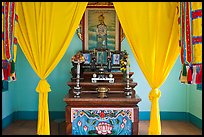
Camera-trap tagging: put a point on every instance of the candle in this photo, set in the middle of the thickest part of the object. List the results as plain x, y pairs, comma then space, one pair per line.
78, 68
127, 69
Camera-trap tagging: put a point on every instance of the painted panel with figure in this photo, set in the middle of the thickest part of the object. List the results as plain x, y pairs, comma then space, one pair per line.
101, 29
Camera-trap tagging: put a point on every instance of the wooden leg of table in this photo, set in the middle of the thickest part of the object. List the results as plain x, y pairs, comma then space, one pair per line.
135, 128
68, 120
135, 124
69, 129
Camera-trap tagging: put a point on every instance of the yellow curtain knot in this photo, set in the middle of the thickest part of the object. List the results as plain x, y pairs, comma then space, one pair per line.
43, 86
155, 93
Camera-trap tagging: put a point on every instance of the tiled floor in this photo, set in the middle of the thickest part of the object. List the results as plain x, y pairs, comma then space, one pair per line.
168, 128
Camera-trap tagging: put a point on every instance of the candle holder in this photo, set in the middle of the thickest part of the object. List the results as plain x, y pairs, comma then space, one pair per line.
128, 89
78, 59
77, 88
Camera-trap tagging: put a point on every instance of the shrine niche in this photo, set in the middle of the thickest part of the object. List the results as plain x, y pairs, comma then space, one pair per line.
102, 99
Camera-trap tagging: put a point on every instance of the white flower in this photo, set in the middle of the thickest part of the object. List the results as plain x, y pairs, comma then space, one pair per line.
124, 120
85, 128
104, 128
122, 125
79, 123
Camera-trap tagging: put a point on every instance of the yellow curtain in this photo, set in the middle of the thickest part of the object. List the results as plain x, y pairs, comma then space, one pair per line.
151, 29
44, 32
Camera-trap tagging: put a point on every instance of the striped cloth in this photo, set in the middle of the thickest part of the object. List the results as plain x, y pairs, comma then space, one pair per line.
190, 22
9, 47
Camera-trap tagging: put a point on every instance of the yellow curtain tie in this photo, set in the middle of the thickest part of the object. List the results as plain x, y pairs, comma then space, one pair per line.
155, 93
155, 125
43, 86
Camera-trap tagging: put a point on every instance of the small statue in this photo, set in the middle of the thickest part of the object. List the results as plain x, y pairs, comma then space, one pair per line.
101, 33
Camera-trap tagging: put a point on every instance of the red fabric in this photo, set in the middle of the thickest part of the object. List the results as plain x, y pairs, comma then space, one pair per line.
199, 77
5, 74
9, 69
197, 39
200, 74
188, 36
7, 49
189, 75
179, 20
15, 40
16, 17
6, 70
197, 13
182, 34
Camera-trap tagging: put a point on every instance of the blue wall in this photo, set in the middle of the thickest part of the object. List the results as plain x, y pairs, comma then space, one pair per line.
173, 98
7, 102
27, 81
171, 88
195, 101
194, 105
8, 105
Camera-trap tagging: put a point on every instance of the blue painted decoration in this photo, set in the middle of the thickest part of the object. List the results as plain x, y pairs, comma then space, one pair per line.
106, 121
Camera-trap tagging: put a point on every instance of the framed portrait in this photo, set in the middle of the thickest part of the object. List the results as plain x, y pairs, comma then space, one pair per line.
101, 28
101, 57
87, 57
115, 59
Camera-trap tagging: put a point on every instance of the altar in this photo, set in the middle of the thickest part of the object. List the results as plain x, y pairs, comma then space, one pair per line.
101, 102
102, 99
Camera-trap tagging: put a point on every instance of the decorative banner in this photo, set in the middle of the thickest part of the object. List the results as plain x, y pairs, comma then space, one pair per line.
190, 22
102, 121
9, 47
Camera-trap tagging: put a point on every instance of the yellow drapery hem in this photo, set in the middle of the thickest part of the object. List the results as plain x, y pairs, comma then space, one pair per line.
151, 29
44, 31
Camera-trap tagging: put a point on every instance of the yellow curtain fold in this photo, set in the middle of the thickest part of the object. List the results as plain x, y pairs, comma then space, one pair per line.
151, 29
44, 32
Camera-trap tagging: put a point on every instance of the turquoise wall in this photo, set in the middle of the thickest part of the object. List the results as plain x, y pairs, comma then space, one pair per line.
195, 101
8, 104
171, 88
8, 101
23, 97
27, 80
